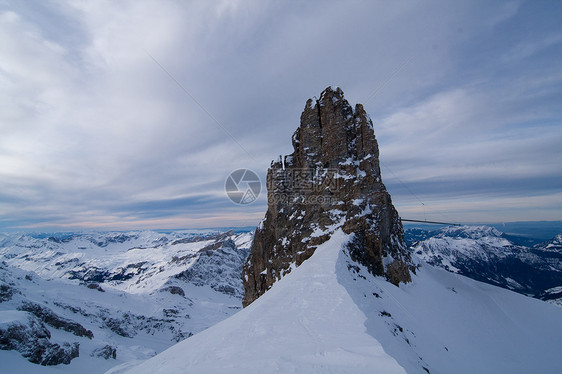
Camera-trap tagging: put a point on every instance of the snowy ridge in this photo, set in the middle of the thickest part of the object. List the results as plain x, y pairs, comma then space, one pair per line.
289, 329
554, 245
118, 296
330, 315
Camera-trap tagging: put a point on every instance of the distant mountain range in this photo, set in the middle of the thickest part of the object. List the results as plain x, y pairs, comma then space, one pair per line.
488, 255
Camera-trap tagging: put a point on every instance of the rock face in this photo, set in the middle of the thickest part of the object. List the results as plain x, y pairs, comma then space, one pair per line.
332, 180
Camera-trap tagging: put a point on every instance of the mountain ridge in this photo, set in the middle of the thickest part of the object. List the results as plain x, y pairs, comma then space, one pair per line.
331, 315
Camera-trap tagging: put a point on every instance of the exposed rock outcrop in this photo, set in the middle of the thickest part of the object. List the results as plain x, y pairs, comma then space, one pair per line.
49, 317
106, 352
332, 180
25, 333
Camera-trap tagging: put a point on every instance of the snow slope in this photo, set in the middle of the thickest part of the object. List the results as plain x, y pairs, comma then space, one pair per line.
331, 316
291, 328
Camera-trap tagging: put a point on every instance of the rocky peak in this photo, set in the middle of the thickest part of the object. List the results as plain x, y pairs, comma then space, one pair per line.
331, 132
331, 180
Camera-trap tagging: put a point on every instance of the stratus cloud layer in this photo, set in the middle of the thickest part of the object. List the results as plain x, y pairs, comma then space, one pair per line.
464, 95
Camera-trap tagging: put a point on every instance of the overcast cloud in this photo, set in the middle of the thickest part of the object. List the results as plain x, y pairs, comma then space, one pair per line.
465, 97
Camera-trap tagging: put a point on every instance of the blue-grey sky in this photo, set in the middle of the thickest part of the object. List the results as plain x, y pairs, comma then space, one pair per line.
465, 97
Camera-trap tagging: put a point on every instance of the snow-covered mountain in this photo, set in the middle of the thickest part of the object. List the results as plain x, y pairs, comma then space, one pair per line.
331, 315
485, 254
553, 245
94, 300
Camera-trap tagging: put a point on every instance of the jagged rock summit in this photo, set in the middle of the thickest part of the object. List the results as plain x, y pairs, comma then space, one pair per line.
331, 180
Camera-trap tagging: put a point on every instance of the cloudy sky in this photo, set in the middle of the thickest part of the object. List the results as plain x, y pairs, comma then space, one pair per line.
123, 115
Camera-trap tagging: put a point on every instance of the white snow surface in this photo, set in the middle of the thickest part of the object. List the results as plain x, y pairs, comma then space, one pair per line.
331, 316
9, 317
